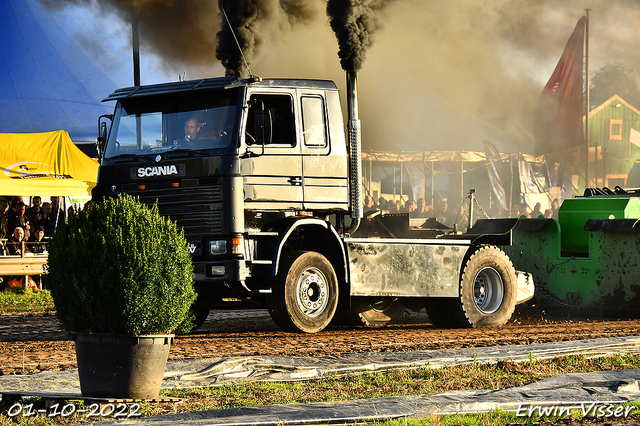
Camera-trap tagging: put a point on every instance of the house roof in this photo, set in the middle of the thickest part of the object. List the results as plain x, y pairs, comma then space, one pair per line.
614, 98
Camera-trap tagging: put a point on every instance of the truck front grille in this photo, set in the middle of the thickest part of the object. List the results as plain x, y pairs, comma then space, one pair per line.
197, 209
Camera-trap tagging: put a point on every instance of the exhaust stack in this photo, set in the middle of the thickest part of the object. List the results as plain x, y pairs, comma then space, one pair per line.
353, 129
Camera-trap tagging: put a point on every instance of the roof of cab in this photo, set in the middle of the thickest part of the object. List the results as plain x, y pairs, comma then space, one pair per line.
217, 83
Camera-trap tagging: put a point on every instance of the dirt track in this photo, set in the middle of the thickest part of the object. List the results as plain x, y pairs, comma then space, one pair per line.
30, 343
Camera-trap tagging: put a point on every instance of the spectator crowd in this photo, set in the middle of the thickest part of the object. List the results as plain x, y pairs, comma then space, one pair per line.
32, 225
447, 216
25, 230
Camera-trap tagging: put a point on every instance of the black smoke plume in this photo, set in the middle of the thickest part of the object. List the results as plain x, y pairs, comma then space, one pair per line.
245, 19
183, 32
194, 33
354, 22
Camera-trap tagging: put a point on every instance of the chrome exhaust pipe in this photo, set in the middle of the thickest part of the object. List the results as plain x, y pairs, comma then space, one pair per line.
355, 150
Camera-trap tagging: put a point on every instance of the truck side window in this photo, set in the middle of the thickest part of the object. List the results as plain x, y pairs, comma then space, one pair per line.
313, 122
280, 109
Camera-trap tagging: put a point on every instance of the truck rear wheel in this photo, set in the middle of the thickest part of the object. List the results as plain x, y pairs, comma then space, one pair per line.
304, 294
487, 290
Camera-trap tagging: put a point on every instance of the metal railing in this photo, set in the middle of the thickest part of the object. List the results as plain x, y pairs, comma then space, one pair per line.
25, 264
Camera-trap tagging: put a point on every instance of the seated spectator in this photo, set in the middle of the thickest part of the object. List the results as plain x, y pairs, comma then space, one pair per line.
462, 217
48, 227
4, 222
35, 213
442, 213
21, 220
36, 242
423, 209
369, 203
14, 243
412, 208
383, 204
555, 206
548, 214
13, 206
57, 215
537, 211
519, 211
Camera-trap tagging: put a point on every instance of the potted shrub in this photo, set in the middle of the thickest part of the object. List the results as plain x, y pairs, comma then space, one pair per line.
121, 279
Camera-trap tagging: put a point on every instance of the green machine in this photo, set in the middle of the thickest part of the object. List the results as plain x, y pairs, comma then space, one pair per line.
587, 261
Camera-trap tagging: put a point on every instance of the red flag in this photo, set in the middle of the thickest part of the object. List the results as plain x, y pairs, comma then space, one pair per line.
557, 123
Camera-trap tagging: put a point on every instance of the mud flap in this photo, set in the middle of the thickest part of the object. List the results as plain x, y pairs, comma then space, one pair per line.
525, 287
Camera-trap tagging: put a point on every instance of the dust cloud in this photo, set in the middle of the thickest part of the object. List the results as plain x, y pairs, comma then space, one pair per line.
437, 75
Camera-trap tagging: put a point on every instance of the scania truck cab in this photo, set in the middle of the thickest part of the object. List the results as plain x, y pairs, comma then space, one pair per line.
259, 176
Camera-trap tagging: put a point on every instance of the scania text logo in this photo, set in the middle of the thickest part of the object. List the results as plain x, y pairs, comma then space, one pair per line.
157, 171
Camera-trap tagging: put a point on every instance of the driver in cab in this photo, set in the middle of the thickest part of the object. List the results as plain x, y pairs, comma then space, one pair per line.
191, 129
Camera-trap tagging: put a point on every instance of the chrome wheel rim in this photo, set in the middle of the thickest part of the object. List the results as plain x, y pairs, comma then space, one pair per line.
312, 292
488, 290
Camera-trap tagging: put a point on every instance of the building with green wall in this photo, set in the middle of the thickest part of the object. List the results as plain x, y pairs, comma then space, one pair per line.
614, 142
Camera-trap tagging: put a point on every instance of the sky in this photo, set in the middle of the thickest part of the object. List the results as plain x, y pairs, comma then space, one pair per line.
437, 75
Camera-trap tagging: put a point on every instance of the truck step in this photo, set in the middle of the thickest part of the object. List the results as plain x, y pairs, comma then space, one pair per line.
263, 234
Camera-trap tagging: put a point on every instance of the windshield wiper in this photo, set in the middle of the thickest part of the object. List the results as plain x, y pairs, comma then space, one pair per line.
123, 157
179, 152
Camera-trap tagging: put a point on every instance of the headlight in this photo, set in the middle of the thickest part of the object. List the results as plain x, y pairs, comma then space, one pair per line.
218, 270
218, 247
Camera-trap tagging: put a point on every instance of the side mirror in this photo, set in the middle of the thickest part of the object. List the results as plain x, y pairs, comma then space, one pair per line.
262, 126
102, 134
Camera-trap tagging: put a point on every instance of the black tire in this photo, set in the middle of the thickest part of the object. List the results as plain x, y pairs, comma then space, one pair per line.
441, 311
200, 307
487, 290
200, 313
304, 294
376, 312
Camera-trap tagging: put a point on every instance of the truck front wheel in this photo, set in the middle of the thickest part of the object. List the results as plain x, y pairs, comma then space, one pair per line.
304, 294
487, 289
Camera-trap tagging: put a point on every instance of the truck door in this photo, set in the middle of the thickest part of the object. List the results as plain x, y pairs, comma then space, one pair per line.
272, 170
324, 159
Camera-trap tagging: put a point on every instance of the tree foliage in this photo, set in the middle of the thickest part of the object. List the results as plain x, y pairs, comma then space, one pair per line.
119, 267
614, 79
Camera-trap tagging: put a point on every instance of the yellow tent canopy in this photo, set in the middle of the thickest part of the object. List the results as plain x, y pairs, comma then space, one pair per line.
44, 164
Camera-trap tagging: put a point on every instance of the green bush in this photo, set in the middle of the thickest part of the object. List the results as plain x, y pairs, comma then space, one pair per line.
119, 267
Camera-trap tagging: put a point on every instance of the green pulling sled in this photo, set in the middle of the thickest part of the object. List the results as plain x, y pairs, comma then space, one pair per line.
588, 261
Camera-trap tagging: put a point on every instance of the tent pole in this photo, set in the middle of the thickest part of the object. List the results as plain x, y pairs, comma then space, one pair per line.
433, 175
511, 191
586, 106
135, 41
394, 183
401, 180
461, 180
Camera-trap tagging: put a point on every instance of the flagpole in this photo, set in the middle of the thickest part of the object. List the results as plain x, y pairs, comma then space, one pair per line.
586, 106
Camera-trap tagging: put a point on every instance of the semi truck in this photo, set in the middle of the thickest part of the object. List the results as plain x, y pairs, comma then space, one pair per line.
266, 182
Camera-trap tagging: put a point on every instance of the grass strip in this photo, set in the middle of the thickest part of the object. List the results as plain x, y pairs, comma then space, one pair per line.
21, 300
423, 380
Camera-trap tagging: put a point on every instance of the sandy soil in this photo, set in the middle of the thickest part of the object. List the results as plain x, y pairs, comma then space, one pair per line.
30, 343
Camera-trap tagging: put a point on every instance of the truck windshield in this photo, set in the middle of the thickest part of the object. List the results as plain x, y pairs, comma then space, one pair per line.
154, 125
